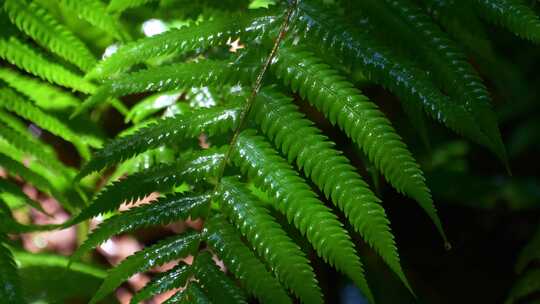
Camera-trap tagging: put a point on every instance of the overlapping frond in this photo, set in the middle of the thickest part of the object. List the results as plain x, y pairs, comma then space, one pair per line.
514, 15
361, 120
216, 285
173, 278
118, 6
10, 289
294, 198
41, 93
34, 19
165, 210
410, 29
242, 262
267, 237
174, 247
29, 59
95, 12
198, 36
212, 121
158, 79
11, 101
193, 294
332, 35
302, 142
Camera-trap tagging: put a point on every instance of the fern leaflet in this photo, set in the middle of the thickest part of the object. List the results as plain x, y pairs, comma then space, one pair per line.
268, 238
242, 262
174, 278
161, 212
38, 23
294, 198
219, 287
164, 251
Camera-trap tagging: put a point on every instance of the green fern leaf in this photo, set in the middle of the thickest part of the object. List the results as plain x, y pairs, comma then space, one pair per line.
95, 12
153, 104
119, 6
529, 253
446, 61
514, 15
41, 93
11, 101
14, 191
164, 251
193, 294
267, 237
242, 262
173, 77
528, 284
361, 120
164, 211
331, 35
219, 287
300, 140
38, 23
175, 41
10, 289
28, 59
17, 125
161, 178
46, 157
294, 198
212, 121
15, 168
174, 278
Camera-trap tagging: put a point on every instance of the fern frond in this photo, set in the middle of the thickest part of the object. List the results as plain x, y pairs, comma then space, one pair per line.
212, 121
173, 77
95, 12
16, 192
242, 262
152, 104
193, 294
333, 174
174, 278
118, 6
294, 198
331, 35
26, 58
46, 157
361, 120
267, 237
164, 251
446, 61
161, 178
527, 284
16, 125
33, 19
16, 168
42, 93
175, 41
161, 212
219, 287
10, 289
514, 15
11, 101
529, 253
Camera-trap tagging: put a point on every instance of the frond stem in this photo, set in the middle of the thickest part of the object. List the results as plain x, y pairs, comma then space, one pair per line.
255, 90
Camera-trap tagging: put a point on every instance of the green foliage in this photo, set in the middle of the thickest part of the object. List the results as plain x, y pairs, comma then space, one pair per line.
11, 286
270, 240
242, 262
172, 248
174, 278
219, 139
